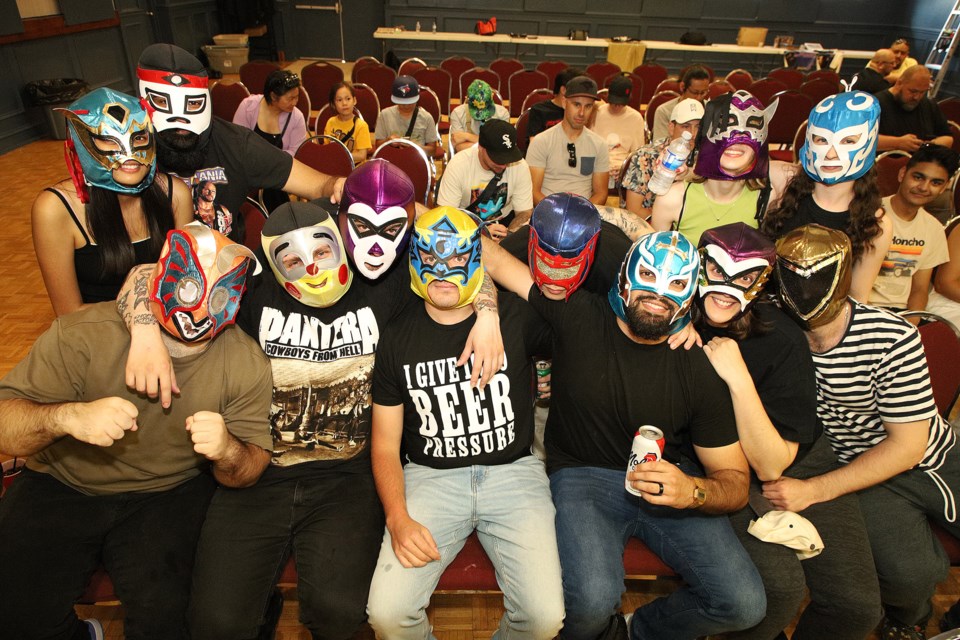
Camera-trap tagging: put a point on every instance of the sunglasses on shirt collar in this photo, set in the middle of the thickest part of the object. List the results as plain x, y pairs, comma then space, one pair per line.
571, 154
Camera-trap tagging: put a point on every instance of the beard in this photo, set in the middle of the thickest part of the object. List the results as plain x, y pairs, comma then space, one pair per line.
179, 154
644, 324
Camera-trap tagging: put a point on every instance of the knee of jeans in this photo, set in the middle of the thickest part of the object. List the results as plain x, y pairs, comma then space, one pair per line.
739, 608
329, 616
543, 619
587, 613
389, 617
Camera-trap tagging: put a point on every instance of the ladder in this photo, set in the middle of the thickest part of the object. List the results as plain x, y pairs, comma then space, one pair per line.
938, 60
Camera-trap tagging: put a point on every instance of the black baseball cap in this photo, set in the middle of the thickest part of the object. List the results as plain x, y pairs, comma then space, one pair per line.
499, 139
581, 86
620, 89
405, 90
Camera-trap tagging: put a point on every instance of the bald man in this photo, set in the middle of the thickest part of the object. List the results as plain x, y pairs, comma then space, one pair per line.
872, 77
908, 118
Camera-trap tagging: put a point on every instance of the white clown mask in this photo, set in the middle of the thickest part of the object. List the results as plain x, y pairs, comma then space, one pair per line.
176, 100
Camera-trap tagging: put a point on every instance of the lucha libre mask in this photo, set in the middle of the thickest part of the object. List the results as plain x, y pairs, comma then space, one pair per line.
730, 119
174, 84
375, 215
728, 253
304, 249
813, 267
108, 129
849, 124
445, 245
670, 257
564, 230
196, 286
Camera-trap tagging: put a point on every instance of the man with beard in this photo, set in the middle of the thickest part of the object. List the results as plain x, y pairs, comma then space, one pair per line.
908, 118
198, 147
636, 379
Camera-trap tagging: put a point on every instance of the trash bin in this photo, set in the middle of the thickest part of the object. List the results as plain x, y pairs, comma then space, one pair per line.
48, 95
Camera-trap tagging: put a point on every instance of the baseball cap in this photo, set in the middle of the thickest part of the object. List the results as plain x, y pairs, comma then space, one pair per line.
620, 89
686, 110
581, 86
405, 91
480, 100
499, 139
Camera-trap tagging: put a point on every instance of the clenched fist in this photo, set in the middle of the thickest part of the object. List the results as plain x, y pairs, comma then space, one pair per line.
209, 434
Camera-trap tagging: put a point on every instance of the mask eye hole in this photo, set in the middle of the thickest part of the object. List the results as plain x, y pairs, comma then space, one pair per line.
755, 122
188, 292
159, 101
218, 300
195, 104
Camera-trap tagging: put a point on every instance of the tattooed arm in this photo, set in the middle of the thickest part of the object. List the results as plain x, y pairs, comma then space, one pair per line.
630, 223
149, 369
484, 342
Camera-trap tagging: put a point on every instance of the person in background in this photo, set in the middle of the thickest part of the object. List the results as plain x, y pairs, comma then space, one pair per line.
478, 108
902, 62
273, 115
620, 125
693, 85
348, 126
872, 78
405, 119
919, 243
685, 117
908, 118
114, 211
838, 185
544, 115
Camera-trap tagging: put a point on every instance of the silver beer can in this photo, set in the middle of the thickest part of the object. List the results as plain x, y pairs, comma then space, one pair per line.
647, 447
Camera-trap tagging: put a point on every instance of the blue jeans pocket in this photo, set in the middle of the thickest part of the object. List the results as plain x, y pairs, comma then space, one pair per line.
586, 165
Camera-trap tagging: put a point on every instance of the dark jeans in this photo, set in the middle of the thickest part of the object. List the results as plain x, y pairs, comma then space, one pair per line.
844, 593
595, 518
332, 522
910, 560
53, 537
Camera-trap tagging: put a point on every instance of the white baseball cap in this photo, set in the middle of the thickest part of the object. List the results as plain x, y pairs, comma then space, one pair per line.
686, 110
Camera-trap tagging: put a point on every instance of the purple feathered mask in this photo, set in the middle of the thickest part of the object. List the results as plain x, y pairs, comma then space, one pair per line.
376, 212
731, 119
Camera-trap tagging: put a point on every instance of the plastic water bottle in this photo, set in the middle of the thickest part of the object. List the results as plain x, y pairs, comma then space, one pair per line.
670, 160
434, 26
418, 26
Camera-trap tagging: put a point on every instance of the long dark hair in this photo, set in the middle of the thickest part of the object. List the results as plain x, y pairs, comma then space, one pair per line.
863, 226
105, 222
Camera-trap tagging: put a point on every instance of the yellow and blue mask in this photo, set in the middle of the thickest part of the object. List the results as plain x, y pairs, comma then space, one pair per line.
445, 245
106, 130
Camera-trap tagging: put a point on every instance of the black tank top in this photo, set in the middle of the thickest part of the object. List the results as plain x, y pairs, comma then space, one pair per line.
276, 139
809, 212
94, 284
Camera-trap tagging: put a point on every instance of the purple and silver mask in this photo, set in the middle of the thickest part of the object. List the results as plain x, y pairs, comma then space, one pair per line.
376, 212
729, 119
730, 252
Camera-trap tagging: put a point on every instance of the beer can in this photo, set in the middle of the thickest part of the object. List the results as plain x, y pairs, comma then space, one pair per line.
543, 369
647, 447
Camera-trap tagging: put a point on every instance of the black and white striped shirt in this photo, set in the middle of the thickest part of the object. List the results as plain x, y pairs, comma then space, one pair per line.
878, 373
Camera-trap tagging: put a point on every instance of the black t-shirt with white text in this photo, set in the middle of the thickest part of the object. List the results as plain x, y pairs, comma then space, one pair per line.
446, 423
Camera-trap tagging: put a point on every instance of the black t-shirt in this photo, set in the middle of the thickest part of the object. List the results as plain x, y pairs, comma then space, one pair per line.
322, 362
926, 121
237, 161
605, 386
809, 212
446, 424
543, 115
612, 247
781, 366
870, 81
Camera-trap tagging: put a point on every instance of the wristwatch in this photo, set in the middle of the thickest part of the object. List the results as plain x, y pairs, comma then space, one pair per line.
699, 493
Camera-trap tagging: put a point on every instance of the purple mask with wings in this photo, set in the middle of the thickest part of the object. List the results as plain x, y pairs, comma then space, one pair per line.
729, 119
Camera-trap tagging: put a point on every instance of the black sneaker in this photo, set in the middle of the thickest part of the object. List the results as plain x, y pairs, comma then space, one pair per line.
951, 619
891, 630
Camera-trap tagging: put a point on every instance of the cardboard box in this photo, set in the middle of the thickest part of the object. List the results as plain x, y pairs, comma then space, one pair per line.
226, 59
751, 36
232, 39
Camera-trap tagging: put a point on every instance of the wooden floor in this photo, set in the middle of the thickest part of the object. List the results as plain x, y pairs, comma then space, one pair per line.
25, 312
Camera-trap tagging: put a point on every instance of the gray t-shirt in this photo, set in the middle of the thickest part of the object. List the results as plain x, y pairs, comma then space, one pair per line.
391, 123
549, 151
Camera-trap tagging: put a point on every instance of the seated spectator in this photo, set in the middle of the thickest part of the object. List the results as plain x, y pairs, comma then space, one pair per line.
569, 157
908, 118
693, 85
479, 107
273, 115
837, 187
544, 115
734, 179
919, 243
348, 127
876, 406
872, 78
619, 124
945, 295
764, 359
405, 119
685, 117
903, 61
490, 180
114, 477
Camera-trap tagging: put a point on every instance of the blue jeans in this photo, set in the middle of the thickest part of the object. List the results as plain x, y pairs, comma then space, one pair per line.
595, 518
510, 508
